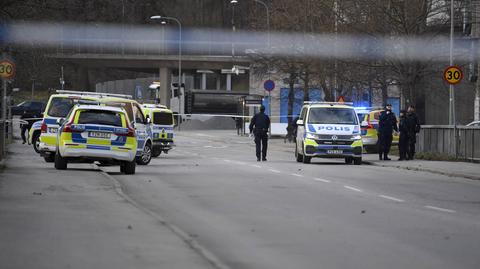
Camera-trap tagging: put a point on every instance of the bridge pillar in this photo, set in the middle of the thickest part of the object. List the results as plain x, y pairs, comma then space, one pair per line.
165, 86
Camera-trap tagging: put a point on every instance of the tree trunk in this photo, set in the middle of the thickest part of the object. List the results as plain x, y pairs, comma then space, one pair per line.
291, 97
306, 86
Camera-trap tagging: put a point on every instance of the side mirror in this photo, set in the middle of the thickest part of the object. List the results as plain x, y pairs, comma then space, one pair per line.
133, 125
364, 124
300, 123
148, 120
60, 121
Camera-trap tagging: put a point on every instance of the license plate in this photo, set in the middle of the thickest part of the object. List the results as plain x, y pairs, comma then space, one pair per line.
334, 151
52, 130
99, 135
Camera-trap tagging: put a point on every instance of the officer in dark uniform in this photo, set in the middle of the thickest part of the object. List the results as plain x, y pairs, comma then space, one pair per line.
413, 126
259, 126
403, 141
387, 122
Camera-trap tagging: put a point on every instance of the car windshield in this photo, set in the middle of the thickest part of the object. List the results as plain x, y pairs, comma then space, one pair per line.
59, 107
332, 115
162, 118
100, 117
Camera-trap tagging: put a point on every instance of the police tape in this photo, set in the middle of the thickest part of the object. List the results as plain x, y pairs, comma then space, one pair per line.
232, 116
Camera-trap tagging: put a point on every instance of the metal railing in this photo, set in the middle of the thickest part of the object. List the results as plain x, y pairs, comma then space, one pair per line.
461, 142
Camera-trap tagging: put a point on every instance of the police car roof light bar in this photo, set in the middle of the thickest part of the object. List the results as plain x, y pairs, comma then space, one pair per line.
96, 93
327, 103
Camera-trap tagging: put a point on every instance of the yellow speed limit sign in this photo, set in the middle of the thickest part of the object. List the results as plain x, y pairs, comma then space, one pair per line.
453, 74
7, 69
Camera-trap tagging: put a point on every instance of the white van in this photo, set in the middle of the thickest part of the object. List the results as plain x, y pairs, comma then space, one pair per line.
328, 130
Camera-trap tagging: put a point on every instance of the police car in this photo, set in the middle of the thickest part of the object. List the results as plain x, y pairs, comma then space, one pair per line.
162, 127
140, 123
96, 133
369, 118
58, 106
328, 130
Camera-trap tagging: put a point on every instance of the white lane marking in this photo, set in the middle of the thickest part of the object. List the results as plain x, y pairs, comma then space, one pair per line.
228, 161
256, 166
440, 209
274, 171
352, 188
322, 180
391, 198
296, 175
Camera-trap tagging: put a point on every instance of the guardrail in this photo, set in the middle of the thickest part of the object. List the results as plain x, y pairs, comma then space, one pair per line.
461, 142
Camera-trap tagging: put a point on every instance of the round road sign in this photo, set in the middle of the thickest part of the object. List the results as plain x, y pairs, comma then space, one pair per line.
269, 85
7, 69
453, 75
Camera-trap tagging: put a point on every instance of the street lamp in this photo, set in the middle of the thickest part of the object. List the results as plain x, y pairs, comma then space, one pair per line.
163, 21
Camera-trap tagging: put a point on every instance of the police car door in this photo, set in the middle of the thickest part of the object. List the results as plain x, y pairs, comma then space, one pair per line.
140, 128
301, 128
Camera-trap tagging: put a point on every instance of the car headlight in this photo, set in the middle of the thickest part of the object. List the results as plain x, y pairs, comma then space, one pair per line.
311, 135
356, 137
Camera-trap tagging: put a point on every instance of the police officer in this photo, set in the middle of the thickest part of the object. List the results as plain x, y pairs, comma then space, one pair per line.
387, 122
403, 141
413, 126
259, 126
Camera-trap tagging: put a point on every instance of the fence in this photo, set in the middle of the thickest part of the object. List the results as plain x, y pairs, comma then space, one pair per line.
441, 139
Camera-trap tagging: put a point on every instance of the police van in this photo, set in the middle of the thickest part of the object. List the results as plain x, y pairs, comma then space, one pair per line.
162, 120
328, 130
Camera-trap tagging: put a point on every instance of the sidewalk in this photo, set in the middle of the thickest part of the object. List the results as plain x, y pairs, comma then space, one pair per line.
453, 169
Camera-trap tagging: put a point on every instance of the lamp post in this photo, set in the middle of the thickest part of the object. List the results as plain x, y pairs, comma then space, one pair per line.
163, 18
268, 43
268, 17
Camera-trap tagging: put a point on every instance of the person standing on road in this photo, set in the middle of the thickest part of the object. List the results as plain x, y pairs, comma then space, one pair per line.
386, 124
403, 141
260, 125
413, 125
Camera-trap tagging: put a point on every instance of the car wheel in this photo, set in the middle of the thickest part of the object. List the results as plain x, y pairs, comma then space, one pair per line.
128, 167
306, 159
146, 156
298, 156
156, 152
60, 162
49, 157
36, 141
357, 161
348, 160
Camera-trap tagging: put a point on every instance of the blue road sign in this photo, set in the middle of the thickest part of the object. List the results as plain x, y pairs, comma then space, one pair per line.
269, 85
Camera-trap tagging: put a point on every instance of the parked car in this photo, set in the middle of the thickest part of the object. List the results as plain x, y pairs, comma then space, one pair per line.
35, 107
474, 124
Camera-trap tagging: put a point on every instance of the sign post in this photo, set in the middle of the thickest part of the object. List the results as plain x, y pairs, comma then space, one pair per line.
269, 86
453, 75
7, 71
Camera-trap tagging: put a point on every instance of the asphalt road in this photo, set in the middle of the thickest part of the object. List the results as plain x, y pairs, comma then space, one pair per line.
220, 207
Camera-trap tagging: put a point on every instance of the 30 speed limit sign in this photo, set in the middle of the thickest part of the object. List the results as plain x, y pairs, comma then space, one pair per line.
7, 69
453, 75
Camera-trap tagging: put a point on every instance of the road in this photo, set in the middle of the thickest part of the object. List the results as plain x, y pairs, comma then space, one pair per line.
219, 207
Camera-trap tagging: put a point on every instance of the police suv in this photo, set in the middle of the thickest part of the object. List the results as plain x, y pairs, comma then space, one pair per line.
328, 130
96, 133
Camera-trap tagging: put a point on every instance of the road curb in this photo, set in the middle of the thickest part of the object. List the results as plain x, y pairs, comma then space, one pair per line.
185, 237
424, 170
